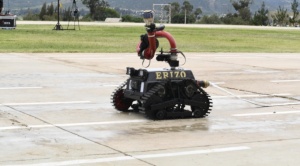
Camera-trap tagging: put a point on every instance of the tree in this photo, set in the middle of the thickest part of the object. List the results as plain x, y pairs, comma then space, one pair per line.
67, 14
197, 12
261, 16
294, 7
31, 15
241, 4
243, 9
50, 10
129, 18
185, 15
187, 7
93, 5
175, 8
233, 19
281, 17
213, 19
102, 13
179, 18
43, 11
180, 14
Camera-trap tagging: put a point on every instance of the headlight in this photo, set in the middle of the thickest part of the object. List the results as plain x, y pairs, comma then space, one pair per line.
143, 73
130, 70
136, 73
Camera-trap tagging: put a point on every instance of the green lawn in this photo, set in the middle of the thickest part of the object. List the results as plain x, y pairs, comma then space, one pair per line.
41, 38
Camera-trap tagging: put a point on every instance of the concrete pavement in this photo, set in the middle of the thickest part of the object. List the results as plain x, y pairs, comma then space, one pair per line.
55, 110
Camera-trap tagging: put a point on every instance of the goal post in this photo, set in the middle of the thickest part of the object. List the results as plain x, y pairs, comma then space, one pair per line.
162, 12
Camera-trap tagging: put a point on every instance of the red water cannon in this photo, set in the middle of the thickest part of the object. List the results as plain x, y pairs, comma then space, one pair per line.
147, 46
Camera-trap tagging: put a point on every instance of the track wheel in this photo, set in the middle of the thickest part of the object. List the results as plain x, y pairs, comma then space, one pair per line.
120, 102
153, 114
197, 113
160, 114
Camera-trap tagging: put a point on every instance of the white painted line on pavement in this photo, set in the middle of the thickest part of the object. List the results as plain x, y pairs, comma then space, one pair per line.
111, 85
110, 58
46, 103
248, 72
193, 152
285, 104
285, 81
281, 94
223, 57
87, 58
124, 158
268, 113
71, 124
15, 88
232, 72
217, 83
253, 102
244, 96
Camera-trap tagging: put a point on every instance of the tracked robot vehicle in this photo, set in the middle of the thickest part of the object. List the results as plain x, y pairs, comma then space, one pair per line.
161, 93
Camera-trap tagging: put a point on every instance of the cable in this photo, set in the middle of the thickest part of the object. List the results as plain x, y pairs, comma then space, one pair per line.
148, 63
183, 57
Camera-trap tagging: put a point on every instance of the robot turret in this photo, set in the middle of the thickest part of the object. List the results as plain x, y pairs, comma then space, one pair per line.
147, 47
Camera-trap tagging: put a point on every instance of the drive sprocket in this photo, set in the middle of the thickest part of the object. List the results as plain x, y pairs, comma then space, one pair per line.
119, 102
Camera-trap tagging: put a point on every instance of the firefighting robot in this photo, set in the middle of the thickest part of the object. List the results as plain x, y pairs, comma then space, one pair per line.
162, 93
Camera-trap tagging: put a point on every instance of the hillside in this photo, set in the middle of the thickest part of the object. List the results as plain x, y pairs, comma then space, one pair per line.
208, 6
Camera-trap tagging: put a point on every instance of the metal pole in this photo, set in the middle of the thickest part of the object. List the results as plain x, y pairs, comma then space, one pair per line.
58, 11
170, 15
58, 26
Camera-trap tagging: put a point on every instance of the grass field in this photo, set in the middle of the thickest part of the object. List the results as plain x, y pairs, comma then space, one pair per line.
41, 38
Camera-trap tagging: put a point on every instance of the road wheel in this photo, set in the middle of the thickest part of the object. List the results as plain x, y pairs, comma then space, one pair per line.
160, 114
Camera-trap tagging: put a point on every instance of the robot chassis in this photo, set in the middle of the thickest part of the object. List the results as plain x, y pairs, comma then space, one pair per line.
161, 93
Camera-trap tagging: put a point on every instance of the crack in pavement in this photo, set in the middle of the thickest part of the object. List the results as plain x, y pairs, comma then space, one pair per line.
78, 135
